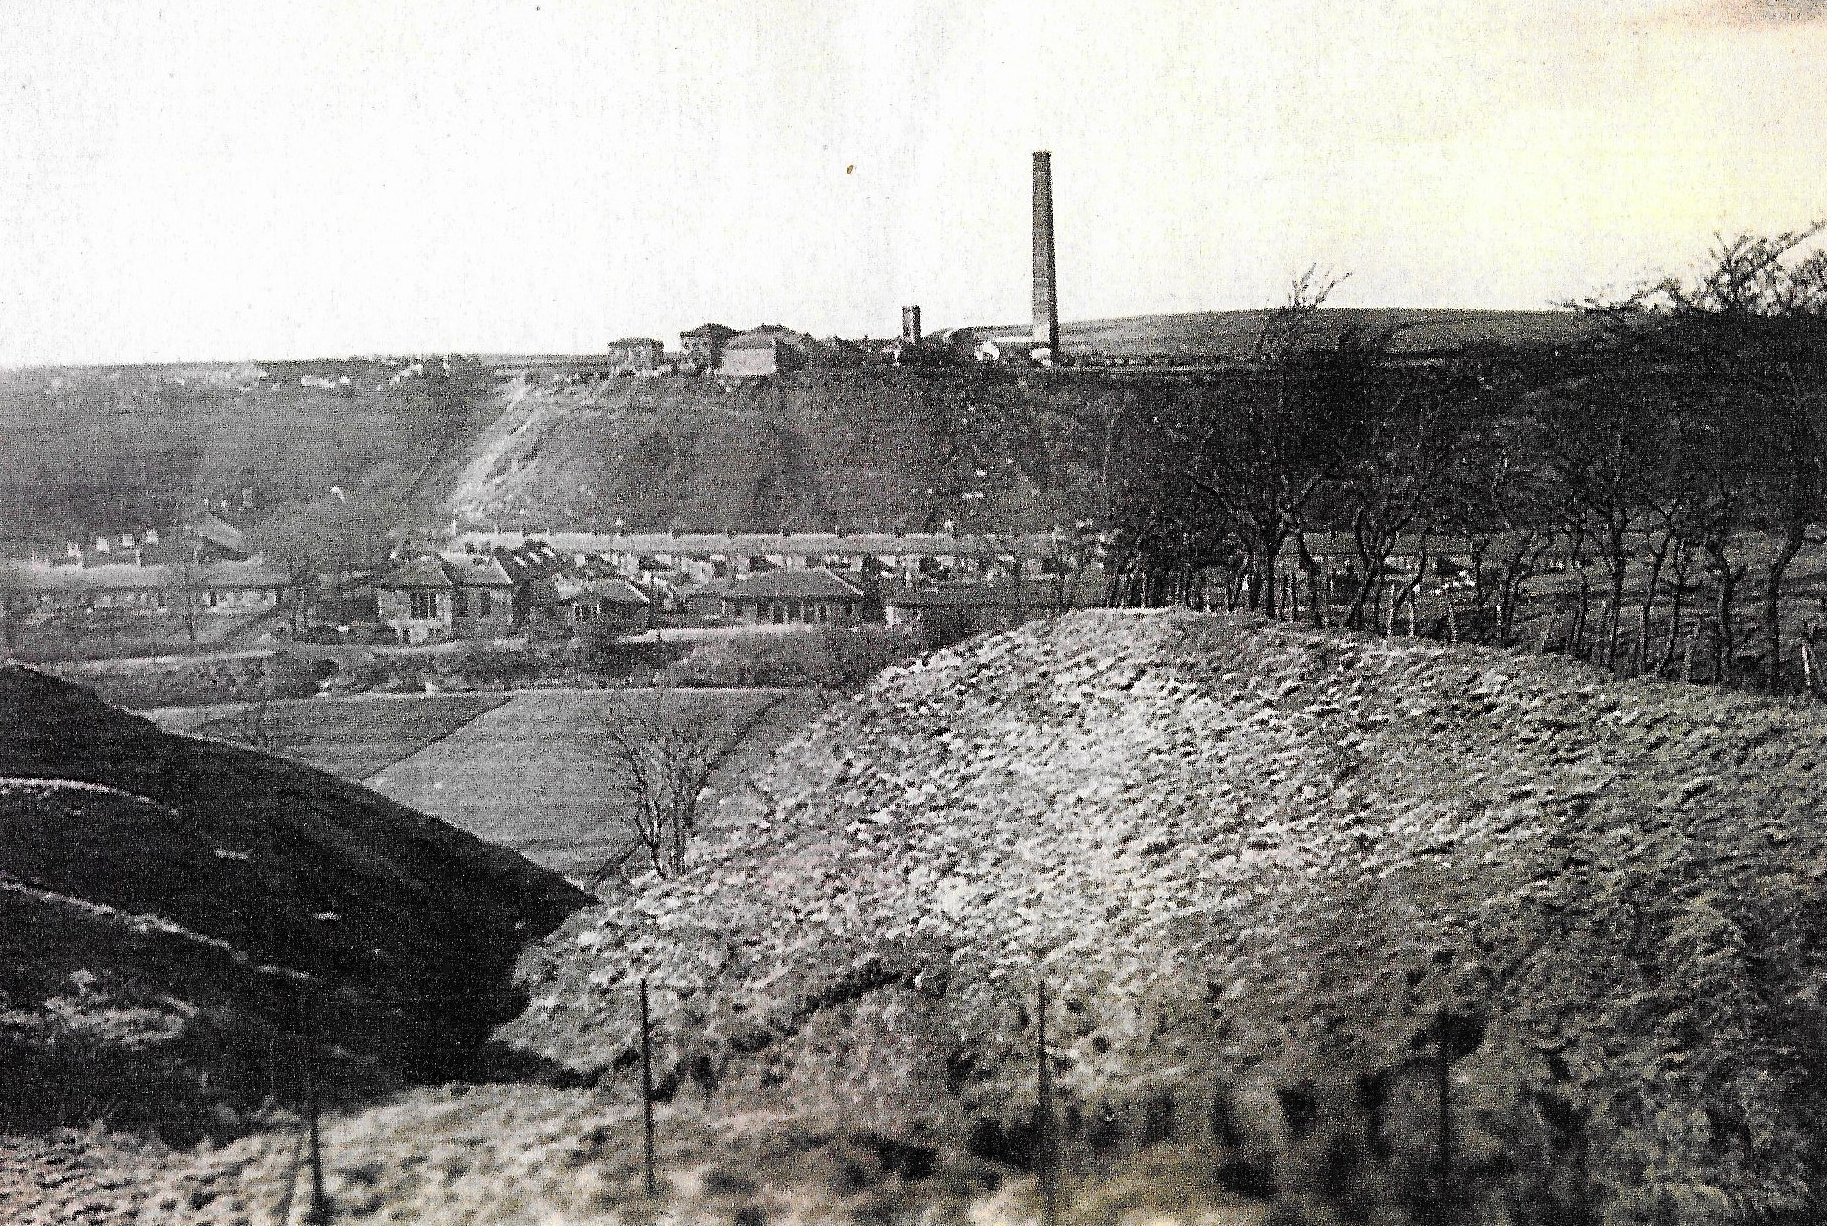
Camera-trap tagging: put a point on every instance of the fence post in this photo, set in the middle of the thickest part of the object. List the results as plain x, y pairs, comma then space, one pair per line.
1047, 1157
1443, 1151
647, 1089
319, 1210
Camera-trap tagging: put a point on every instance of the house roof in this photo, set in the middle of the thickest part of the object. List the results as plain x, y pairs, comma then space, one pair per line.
530, 560
417, 572
799, 544
810, 584
756, 340
253, 572
219, 533
466, 570
126, 577
605, 589
771, 336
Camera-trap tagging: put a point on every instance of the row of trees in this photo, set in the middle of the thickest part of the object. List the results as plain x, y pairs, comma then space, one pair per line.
1671, 453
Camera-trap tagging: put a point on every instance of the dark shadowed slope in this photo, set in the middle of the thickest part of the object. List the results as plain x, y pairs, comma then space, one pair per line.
177, 912
1260, 868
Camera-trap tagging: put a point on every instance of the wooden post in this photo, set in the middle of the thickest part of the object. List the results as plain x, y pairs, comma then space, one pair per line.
647, 1089
319, 1210
1443, 1154
1049, 1176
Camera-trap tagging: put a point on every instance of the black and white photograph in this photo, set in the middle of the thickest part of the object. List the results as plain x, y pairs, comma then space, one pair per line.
869, 613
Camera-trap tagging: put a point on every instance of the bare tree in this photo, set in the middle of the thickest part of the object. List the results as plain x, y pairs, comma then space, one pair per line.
1399, 484
1259, 444
668, 744
1735, 361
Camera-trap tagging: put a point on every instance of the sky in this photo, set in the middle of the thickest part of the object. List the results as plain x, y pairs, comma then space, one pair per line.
260, 179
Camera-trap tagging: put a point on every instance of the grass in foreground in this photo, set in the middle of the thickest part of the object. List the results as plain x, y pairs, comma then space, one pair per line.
517, 1155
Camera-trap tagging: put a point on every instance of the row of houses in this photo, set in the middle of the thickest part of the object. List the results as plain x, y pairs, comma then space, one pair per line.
703, 557
203, 538
199, 566
244, 586
489, 588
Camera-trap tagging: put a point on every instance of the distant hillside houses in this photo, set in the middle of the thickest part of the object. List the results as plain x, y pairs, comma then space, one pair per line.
202, 539
703, 345
768, 350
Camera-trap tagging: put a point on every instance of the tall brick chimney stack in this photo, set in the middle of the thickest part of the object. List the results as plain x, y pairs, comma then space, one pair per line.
1046, 293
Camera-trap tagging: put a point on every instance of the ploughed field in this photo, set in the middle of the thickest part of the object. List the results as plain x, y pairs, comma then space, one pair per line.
351, 737
539, 773
533, 770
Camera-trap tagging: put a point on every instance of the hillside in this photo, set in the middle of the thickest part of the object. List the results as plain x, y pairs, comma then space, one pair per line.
97, 450
1265, 872
100, 450
1219, 335
178, 913
813, 451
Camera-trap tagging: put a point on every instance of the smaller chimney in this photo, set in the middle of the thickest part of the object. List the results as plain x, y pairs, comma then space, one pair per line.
910, 324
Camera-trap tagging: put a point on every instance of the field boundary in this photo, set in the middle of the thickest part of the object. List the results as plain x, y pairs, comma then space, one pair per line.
506, 701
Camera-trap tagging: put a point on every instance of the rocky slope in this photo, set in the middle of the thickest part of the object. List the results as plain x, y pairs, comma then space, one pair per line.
176, 917
857, 449
1269, 876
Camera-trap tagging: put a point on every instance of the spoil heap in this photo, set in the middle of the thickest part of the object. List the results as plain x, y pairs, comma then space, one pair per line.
177, 915
1269, 874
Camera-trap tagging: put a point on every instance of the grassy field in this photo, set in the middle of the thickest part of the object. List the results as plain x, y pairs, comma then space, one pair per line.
536, 774
530, 770
352, 737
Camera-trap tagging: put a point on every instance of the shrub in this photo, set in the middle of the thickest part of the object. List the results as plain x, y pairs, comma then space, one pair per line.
830, 657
